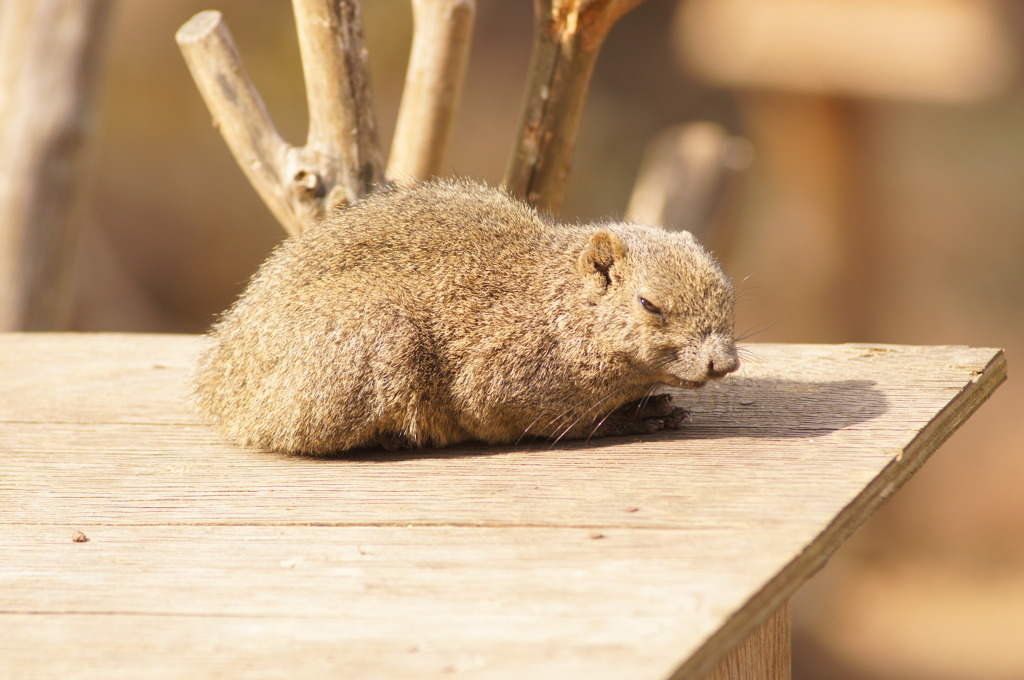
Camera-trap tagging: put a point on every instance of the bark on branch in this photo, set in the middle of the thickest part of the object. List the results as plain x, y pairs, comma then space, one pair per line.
342, 121
433, 88
341, 159
568, 35
238, 111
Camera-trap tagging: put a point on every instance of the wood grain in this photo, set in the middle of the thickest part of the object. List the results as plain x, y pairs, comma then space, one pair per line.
765, 654
643, 557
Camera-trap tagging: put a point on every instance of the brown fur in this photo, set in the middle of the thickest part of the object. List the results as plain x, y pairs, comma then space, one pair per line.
448, 311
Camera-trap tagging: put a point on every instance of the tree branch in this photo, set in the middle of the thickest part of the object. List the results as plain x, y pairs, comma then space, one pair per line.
341, 159
342, 142
568, 35
433, 88
238, 112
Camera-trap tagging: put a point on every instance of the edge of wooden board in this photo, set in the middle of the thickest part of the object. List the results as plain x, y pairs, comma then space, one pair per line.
975, 392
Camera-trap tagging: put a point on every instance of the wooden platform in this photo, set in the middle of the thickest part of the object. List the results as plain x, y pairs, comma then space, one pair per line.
642, 558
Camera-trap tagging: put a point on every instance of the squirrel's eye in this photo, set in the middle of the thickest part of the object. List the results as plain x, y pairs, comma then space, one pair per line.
649, 306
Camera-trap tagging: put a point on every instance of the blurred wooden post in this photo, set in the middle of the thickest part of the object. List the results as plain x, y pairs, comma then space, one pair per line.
50, 53
803, 76
812, 150
684, 177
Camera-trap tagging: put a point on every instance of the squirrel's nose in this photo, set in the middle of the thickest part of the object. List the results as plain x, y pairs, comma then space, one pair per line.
723, 360
719, 368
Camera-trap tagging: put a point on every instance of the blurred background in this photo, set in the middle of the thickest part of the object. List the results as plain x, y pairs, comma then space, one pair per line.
884, 202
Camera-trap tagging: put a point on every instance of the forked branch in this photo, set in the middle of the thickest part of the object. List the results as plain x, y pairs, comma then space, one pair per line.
238, 112
341, 160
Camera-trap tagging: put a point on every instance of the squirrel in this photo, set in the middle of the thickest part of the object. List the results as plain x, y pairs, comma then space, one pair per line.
448, 311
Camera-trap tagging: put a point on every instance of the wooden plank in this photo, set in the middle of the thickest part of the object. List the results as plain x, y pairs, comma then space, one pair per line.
765, 654
462, 593
633, 557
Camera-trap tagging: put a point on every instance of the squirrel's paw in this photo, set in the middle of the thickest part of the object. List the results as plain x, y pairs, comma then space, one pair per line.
644, 416
391, 441
677, 418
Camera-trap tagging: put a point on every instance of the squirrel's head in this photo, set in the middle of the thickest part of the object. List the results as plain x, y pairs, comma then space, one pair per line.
664, 301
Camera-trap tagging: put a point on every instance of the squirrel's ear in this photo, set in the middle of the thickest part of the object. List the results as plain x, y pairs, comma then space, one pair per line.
599, 257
